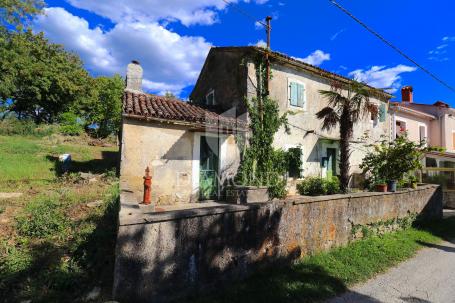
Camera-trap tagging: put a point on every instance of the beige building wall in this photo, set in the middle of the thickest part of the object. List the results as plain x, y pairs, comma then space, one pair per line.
167, 150
448, 122
172, 153
413, 124
306, 129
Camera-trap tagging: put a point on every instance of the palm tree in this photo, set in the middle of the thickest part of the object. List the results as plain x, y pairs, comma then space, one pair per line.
348, 104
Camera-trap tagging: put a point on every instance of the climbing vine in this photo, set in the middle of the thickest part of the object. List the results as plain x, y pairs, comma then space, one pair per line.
262, 165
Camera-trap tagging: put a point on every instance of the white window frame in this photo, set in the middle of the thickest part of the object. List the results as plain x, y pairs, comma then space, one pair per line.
426, 132
211, 92
304, 107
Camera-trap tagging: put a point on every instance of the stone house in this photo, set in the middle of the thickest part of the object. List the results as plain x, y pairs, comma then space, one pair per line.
189, 149
434, 123
229, 75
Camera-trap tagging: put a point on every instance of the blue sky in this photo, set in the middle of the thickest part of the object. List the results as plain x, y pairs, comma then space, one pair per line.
171, 38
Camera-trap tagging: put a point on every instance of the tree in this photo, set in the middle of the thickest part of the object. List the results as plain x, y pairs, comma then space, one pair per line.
39, 79
393, 160
16, 13
103, 108
347, 105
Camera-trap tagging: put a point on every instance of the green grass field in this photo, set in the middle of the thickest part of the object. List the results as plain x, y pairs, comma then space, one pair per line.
54, 247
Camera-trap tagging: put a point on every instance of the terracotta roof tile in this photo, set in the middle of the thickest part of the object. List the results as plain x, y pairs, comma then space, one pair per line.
145, 106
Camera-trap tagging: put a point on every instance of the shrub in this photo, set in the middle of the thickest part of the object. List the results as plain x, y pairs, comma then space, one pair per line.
316, 186
13, 126
41, 218
70, 124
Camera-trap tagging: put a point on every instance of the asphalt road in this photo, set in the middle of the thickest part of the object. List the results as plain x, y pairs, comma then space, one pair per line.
428, 277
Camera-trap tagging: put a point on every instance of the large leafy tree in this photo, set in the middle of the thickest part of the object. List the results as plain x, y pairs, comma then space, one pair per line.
39, 79
16, 13
347, 105
103, 108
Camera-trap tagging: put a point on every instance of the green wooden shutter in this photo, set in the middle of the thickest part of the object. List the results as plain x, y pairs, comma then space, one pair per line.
294, 94
382, 113
301, 95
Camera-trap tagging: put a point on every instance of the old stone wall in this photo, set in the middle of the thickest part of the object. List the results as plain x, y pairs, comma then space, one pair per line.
165, 256
167, 150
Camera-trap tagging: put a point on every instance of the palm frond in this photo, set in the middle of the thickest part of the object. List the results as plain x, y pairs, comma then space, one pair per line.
329, 116
334, 98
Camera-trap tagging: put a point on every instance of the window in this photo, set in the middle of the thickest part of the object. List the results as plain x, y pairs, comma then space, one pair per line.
210, 98
296, 94
400, 128
294, 162
422, 133
374, 116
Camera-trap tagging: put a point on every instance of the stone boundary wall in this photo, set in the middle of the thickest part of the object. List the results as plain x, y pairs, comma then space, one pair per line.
166, 256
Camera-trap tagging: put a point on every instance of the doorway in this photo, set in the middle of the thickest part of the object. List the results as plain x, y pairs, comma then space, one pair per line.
331, 162
208, 168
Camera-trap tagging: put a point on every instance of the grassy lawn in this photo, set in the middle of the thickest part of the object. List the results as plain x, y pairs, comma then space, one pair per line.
56, 246
327, 274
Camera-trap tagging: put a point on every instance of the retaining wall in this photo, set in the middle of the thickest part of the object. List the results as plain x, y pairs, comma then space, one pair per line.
165, 256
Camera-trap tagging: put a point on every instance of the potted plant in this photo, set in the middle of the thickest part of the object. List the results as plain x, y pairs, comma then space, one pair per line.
381, 186
412, 181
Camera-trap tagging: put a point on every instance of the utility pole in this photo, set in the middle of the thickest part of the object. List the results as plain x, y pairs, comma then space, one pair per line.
267, 61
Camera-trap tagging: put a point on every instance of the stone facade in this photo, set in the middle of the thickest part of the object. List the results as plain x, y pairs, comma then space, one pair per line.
231, 74
162, 257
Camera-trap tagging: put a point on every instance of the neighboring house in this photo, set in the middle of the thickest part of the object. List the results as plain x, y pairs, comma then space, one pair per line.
229, 76
434, 123
189, 150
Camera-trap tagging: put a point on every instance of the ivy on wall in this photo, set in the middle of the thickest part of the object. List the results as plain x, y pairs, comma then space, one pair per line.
262, 165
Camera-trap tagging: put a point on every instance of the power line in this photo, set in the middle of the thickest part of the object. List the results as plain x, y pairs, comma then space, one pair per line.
392, 46
245, 13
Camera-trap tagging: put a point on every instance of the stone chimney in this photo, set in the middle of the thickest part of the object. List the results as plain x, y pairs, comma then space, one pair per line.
134, 76
406, 94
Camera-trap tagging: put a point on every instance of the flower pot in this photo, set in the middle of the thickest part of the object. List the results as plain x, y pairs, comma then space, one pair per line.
414, 185
247, 194
381, 188
392, 186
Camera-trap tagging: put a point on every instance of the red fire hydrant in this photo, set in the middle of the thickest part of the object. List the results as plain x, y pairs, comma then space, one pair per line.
147, 187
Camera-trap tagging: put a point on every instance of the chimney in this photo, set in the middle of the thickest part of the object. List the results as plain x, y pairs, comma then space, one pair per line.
134, 76
406, 94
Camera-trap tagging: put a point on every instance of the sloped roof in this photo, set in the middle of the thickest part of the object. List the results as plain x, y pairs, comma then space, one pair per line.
142, 106
296, 63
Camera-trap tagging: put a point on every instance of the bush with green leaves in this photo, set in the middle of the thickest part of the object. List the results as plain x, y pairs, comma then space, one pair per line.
316, 186
70, 124
395, 159
26, 127
41, 218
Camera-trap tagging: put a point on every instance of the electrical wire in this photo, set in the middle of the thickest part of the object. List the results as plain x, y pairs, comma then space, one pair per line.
392, 46
245, 13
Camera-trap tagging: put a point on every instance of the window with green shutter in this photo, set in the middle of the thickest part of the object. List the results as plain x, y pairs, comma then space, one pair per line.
296, 94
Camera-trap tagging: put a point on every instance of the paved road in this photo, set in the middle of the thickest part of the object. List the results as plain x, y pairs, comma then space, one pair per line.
428, 277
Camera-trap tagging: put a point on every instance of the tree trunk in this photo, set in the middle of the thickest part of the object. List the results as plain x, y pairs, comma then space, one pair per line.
346, 129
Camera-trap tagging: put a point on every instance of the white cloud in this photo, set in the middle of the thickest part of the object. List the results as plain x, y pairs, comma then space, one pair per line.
188, 12
439, 53
382, 77
334, 36
170, 61
315, 58
260, 43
